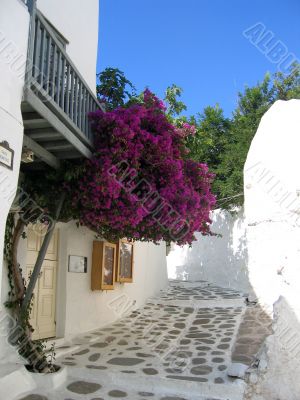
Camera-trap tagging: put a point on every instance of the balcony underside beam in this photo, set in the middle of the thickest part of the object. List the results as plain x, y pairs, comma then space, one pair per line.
41, 153
43, 134
59, 145
58, 125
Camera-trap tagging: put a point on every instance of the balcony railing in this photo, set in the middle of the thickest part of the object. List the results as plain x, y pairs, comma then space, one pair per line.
30, 4
54, 78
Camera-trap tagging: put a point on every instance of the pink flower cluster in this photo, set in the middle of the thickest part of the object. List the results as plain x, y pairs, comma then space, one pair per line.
186, 130
158, 195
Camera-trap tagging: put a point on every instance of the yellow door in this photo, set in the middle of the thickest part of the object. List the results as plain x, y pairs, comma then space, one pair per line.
44, 298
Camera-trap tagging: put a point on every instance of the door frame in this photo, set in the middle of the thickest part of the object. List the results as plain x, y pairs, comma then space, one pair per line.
51, 257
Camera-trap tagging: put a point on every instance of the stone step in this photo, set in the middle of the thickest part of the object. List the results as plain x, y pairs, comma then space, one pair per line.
184, 389
196, 304
15, 380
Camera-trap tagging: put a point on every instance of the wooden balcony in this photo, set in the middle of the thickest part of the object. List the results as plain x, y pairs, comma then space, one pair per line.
56, 100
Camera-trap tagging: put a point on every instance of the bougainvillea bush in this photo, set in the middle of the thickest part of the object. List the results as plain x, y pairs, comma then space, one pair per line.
140, 183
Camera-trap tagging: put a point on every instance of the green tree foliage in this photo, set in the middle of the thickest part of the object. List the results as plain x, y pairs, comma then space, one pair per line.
174, 105
114, 88
211, 137
252, 104
287, 87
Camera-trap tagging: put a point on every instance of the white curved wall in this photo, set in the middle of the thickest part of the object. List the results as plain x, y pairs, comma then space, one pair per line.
13, 50
272, 203
272, 210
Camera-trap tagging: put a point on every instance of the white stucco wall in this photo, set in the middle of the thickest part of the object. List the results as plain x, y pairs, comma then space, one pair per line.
77, 21
79, 309
218, 259
272, 203
13, 50
272, 210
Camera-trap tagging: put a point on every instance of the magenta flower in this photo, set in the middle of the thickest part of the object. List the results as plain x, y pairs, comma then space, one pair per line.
139, 183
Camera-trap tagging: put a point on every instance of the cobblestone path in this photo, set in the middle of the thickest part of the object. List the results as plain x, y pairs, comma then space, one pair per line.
177, 347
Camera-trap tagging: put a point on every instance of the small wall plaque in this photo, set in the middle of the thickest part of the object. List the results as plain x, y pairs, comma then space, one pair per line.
77, 264
6, 155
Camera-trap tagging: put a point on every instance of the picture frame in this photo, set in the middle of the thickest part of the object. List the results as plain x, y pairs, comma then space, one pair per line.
103, 265
6, 155
77, 264
125, 264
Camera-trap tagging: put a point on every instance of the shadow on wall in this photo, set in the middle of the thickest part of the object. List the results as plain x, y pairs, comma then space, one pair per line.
218, 259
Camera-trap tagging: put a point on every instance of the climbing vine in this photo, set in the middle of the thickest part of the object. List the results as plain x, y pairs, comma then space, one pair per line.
9, 229
20, 335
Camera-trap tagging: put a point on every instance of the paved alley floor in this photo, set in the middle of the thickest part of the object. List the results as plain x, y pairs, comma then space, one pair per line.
178, 346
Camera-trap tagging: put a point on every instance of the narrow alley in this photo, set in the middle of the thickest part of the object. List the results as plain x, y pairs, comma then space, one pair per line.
179, 346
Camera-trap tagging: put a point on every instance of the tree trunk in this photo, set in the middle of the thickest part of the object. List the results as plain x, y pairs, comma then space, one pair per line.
21, 334
16, 271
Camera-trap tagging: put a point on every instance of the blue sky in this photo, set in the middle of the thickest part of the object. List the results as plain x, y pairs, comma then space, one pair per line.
197, 44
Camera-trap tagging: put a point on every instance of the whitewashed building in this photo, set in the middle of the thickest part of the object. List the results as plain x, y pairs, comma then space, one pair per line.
48, 53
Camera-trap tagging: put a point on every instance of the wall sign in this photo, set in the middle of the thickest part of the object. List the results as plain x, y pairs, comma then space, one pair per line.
6, 155
77, 264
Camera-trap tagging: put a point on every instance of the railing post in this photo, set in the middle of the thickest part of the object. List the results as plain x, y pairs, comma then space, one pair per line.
31, 5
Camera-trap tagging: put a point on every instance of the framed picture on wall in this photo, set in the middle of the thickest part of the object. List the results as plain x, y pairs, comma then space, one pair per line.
124, 272
104, 265
77, 264
6, 155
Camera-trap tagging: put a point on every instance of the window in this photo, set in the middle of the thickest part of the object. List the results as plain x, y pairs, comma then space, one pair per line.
104, 265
